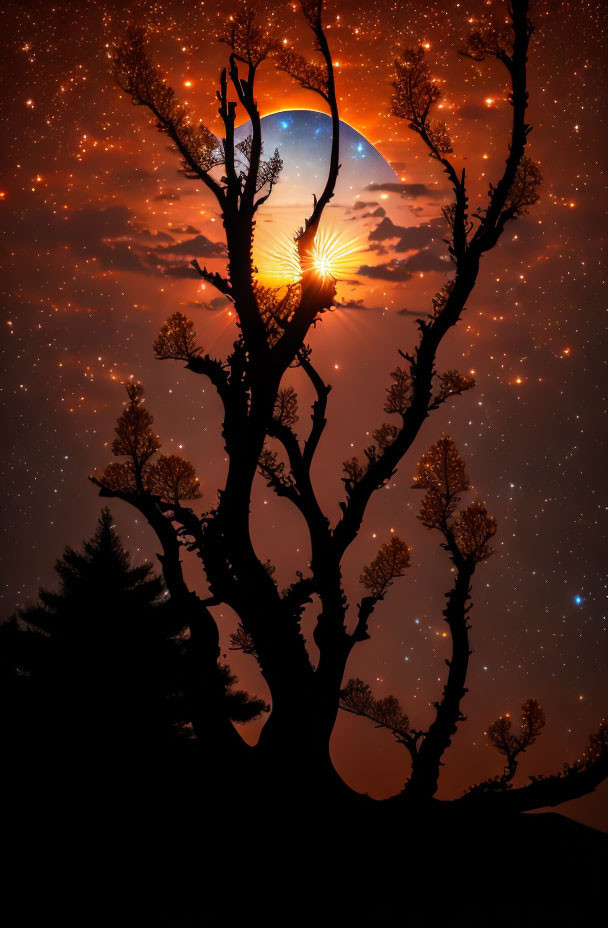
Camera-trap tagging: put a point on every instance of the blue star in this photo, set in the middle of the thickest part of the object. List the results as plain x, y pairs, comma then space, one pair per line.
578, 599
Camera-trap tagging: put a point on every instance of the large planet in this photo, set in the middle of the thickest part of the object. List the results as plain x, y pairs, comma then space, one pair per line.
378, 236
303, 140
365, 180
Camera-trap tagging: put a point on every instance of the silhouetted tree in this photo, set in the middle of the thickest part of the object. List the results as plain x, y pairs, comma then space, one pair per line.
98, 670
85, 650
575, 780
260, 415
500, 736
466, 536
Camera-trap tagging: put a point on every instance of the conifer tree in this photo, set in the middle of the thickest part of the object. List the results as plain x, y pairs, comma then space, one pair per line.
101, 665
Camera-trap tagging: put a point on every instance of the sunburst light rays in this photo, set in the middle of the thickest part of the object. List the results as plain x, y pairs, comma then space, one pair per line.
335, 255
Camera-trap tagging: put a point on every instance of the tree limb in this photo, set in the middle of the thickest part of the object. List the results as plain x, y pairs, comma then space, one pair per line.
212, 277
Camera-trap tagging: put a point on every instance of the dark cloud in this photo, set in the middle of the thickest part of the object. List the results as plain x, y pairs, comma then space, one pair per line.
377, 213
185, 230
89, 232
407, 190
400, 270
393, 270
409, 238
177, 270
365, 204
350, 304
79, 229
218, 302
429, 260
119, 256
110, 236
153, 238
386, 229
198, 247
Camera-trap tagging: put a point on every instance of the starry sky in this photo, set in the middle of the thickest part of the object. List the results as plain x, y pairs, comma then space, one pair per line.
99, 229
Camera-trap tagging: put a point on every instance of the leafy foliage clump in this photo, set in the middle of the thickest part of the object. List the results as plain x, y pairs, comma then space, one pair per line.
286, 407
391, 562
398, 394
137, 76
442, 473
250, 43
170, 477
177, 339
357, 697
525, 189
415, 94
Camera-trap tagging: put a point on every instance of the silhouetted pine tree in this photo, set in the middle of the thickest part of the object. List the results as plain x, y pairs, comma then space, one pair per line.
100, 669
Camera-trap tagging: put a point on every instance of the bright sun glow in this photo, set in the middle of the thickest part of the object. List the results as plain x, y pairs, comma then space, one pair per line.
334, 256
